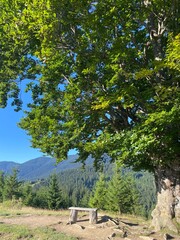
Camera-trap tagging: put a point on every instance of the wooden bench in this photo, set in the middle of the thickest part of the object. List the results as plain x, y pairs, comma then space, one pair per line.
74, 214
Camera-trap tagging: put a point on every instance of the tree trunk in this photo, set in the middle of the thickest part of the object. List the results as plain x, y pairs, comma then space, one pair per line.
167, 211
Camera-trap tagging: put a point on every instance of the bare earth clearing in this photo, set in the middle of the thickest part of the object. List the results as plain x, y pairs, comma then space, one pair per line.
106, 228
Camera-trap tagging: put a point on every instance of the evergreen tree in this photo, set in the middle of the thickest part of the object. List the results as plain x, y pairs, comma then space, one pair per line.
1, 185
11, 186
98, 199
27, 194
120, 194
40, 198
54, 193
75, 196
145, 184
84, 202
67, 200
134, 206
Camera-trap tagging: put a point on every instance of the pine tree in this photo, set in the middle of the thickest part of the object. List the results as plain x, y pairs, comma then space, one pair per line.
98, 199
40, 198
11, 186
84, 202
27, 194
1, 185
54, 193
147, 191
134, 206
75, 196
121, 195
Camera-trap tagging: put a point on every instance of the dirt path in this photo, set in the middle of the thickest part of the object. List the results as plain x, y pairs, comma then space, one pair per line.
105, 229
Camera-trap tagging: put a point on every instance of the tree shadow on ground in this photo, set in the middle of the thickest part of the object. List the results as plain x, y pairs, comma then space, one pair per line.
130, 224
106, 218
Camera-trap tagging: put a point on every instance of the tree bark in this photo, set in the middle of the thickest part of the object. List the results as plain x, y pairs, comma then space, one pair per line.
167, 211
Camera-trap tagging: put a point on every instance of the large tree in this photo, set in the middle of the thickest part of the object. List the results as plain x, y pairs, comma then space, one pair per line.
104, 77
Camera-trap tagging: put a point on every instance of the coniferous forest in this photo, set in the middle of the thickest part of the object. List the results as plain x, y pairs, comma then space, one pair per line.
115, 190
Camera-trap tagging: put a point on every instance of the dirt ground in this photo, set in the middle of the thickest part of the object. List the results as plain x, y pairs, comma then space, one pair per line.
106, 228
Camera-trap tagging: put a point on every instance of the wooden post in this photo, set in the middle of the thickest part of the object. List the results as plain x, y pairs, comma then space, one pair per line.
93, 216
73, 216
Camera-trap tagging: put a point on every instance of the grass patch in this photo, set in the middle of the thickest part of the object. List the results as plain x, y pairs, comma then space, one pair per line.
4, 214
12, 209
16, 232
20, 232
128, 217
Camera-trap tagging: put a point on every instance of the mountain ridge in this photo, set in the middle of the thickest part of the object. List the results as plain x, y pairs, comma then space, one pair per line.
41, 167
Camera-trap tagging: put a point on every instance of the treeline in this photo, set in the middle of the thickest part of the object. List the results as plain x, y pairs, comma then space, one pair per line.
117, 190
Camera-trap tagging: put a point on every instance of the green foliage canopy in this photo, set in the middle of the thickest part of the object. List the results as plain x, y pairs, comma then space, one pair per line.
103, 77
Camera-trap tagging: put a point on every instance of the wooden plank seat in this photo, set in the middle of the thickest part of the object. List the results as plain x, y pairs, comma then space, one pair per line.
74, 214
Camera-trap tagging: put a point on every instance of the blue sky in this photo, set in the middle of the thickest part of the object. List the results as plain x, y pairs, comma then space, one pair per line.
15, 144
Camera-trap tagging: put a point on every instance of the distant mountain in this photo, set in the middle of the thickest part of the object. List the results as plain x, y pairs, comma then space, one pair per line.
6, 167
41, 167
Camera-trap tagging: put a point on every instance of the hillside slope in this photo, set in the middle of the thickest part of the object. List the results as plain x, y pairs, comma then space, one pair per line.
7, 167
41, 167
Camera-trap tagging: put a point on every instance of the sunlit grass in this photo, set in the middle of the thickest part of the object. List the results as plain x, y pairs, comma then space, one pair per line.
15, 232
128, 217
10, 208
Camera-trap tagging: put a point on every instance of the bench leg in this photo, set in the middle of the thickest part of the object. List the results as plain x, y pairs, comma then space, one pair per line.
73, 216
93, 217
